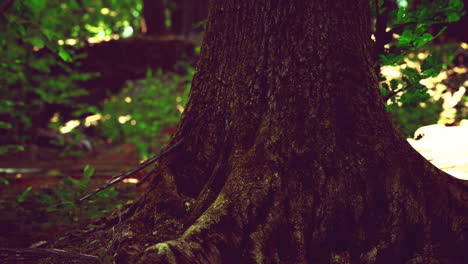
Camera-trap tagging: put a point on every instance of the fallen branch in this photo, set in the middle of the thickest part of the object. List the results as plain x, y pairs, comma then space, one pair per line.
117, 178
145, 177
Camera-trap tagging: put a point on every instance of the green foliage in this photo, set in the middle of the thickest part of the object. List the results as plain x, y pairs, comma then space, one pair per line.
64, 203
36, 72
4, 181
26, 86
59, 205
10, 149
24, 195
412, 29
409, 117
144, 108
88, 171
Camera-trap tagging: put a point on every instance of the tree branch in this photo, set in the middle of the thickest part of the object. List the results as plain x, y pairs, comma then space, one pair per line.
117, 178
400, 26
390, 95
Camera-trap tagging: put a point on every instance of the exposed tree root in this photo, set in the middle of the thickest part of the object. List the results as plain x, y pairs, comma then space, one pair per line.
255, 208
350, 214
260, 218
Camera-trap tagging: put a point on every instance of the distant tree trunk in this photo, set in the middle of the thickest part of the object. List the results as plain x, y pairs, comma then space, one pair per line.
177, 17
187, 14
154, 18
290, 154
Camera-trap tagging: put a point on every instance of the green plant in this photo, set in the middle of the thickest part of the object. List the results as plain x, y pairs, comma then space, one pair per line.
145, 108
30, 53
401, 36
24, 195
409, 117
3, 180
63, 203
37, 210
37, 57
10, 148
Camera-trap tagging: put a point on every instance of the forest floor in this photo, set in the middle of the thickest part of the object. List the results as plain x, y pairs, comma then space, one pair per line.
24, 222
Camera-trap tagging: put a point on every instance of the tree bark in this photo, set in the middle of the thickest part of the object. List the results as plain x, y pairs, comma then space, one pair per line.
291, 155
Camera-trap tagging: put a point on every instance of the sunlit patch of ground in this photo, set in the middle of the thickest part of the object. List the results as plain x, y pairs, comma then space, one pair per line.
445, 146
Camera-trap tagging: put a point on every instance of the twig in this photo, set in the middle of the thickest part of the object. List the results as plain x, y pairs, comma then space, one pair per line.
398, 27
120, 177
145, 177
35, 253
390, 95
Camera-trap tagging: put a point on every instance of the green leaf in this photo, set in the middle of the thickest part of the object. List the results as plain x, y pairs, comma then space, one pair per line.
5, 125
45, 96
453, 17
440, 32
412, 75
394, 84
420, 41
380, 3
49, 34
73, 4
92, 28
149, 73
10, 149
431, 66
402, 12
384, 92
406, 38
88, 172
64, 55
24, 195
4, 181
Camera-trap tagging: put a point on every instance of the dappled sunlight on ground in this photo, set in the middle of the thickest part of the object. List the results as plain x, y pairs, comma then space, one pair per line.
444, 146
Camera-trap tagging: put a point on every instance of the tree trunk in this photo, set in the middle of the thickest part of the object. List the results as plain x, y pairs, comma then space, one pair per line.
153, 16
291, 155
